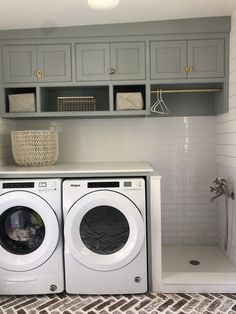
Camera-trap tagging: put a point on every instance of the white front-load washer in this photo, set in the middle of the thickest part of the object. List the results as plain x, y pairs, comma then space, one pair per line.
105, 235
31, 250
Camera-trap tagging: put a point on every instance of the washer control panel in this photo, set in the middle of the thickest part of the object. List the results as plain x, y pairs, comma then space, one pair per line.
18, 185
37, 186
47, 186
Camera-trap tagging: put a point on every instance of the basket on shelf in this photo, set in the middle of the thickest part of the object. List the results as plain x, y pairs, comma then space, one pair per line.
22, 102
129, 101
34, 147
76, 103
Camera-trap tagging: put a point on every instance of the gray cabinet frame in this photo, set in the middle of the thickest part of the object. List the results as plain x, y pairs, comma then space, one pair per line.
200, 58
21, 62
146, 32
110, 61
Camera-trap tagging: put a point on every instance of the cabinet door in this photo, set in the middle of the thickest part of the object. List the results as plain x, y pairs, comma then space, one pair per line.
19, 64
206, 58
54, 62
168, 59
92, 62
128, 61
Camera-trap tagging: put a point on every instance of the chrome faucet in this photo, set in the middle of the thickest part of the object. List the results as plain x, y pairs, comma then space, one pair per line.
220, 187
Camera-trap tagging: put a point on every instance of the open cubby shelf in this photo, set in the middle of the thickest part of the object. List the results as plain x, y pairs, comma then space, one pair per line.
189, 99
129, 89
181, 100
49, 96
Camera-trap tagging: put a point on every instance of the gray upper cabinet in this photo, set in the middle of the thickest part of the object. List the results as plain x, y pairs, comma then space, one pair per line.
19, 64
54, 62
206, 58
128, 61
115, 61
36, 63
168, 59
92, 62
187, 59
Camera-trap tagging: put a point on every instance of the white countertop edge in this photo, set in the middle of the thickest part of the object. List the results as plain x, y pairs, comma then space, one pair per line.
80, 168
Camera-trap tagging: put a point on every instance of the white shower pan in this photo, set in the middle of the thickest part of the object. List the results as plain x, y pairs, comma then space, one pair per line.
215, 272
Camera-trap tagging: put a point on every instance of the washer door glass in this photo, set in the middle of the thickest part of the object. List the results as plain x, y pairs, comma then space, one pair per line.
22, 230
104, 230
29, 231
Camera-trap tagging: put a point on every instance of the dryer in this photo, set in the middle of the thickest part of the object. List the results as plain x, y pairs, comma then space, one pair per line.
30, 237
105, 236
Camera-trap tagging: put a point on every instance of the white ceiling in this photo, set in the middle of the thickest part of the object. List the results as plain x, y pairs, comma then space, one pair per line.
19, 14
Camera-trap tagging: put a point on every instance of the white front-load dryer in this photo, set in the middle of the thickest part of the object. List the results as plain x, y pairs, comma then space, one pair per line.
30, 237
105, 236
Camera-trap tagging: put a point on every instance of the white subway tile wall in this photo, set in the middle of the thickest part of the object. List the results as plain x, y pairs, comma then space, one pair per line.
6, 126
226, 152
182, 150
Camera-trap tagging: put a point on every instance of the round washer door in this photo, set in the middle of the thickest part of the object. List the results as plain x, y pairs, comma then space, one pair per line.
29, 231
104, 230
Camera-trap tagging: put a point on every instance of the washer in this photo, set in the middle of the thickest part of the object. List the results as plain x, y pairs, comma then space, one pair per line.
105, 236
30, 237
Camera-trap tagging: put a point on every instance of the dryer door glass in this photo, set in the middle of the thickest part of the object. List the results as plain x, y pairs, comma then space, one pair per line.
104, 230
22, 230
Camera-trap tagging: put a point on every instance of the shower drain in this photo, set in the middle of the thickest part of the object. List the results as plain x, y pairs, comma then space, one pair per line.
194, 262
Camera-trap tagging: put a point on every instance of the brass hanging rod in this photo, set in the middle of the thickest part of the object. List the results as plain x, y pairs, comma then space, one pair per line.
200, 90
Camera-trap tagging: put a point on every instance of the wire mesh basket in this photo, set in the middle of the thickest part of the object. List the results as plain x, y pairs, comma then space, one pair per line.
76, 103
34, 147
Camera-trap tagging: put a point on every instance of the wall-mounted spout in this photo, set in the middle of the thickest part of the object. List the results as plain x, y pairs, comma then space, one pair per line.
220, 187
214, 197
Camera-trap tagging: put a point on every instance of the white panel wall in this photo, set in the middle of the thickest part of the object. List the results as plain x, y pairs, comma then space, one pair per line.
226, 151
226, 123
5, 143
182, 150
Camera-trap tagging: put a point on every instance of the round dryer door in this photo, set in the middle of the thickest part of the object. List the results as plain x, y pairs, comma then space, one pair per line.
104, 230
29, 231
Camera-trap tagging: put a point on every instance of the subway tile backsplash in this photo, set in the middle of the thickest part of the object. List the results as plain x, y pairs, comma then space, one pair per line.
182, 150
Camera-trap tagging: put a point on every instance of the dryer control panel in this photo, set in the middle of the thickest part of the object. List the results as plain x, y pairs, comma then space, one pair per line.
123, 184
133, 185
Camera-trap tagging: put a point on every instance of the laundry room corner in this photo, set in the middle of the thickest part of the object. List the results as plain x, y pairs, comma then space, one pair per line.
118, 157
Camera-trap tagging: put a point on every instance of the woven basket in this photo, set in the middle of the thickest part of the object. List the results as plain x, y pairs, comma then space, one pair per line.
34, 147
129, 101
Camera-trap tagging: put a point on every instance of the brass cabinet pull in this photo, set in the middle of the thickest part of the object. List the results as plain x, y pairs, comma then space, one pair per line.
188, 69
38, 73
111, 71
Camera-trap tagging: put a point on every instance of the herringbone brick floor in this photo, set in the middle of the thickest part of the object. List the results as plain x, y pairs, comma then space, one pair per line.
120, 304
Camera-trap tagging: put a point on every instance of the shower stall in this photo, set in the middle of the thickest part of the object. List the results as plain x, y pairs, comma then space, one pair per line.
203, 264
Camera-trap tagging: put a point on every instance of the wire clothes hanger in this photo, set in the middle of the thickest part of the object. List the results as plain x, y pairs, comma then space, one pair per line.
159, 106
